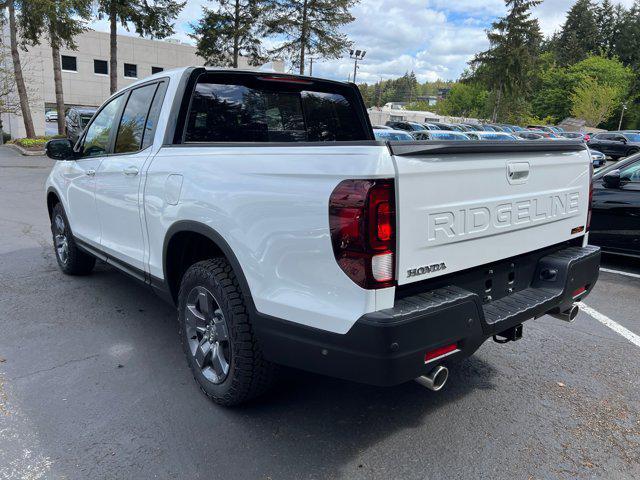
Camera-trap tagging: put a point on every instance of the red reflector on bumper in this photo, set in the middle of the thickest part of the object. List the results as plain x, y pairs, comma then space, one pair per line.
579, 291
439, 352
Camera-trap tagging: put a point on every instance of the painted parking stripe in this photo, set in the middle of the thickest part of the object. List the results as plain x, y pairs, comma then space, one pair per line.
619, 272
616, 327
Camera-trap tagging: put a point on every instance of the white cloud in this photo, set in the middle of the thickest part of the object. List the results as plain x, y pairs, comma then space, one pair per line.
434, 38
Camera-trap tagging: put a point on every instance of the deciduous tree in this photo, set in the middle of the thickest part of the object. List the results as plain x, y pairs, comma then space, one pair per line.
594, 102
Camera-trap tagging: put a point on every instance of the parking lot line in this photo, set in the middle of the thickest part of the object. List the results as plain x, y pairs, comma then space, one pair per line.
616, 327
620, 272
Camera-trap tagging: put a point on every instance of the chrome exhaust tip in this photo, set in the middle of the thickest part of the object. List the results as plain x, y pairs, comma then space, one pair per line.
568, 315
435, 379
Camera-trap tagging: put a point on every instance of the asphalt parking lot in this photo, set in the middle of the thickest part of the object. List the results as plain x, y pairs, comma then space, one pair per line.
93, 384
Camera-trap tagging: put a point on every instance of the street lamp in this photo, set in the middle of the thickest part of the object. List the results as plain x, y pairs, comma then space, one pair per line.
356, 55
624, 107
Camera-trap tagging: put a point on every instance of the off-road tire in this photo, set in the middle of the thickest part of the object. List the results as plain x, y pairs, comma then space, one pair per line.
74, 261
249, 374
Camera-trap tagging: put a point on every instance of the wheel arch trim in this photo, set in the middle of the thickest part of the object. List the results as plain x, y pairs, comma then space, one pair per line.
54, 191
190, 226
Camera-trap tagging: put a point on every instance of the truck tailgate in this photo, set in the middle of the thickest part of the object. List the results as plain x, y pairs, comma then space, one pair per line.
464, 204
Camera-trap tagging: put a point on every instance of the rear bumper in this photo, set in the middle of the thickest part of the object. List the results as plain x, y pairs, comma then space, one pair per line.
388, 347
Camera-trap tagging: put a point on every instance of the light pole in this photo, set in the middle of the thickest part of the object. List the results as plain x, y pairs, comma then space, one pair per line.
356, 55
624, 107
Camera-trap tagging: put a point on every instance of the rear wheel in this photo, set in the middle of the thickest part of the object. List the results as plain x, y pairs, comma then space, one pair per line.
632, 151
217, 335
71, 259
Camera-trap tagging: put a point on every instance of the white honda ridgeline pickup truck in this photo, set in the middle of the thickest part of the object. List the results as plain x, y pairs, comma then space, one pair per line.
261, 206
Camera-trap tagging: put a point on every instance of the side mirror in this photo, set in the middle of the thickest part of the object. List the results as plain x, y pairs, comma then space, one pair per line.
612, 179
623, 140
60, 149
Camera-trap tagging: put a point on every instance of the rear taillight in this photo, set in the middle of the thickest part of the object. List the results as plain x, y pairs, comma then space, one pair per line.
362, 220
589, 211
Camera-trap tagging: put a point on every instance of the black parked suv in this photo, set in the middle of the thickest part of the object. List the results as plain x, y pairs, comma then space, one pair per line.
616, 208
75, 121
616, 144
408, 126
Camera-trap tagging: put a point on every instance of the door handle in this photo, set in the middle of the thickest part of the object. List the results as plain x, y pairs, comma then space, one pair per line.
90, 173
130, 171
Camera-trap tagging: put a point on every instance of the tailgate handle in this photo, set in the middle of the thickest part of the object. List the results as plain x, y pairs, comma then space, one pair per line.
517, 172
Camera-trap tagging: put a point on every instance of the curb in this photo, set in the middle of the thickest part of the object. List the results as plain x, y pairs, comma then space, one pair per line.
22, 151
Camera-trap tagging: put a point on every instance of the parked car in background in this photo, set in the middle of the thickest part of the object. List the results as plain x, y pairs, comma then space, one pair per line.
599, 158
529, 135
461, 127
573, 135
408, 126
473, 127
544, 128
492, 136
381, 127
441, 135
615, 219
392, 135
77, 118
446, 126
430, 126
616, 144
51, 116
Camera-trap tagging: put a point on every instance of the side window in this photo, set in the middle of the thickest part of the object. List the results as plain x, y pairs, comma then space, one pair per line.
631, 173
96, 140
154, 114
134, 119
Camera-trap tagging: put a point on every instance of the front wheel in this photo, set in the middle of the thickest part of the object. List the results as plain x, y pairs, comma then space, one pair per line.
71, 259
217, 335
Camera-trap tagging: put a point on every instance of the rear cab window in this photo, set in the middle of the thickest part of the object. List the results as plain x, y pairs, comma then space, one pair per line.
227, 107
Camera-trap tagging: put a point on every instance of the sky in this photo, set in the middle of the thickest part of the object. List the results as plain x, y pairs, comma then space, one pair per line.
433, 38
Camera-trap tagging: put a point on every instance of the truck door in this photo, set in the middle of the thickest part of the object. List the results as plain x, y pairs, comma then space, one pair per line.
120, 176
80, 177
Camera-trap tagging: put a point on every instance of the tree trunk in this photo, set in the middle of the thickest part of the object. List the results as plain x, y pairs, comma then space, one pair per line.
17, 71
236, 35
496, 107
113, 55
57, 81
303, 36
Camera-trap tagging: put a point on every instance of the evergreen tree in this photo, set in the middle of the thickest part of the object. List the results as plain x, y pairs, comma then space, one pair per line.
153, 18
309, 26
608, 20
579, 35
230, 31
628, 47
59, 21
507, 66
